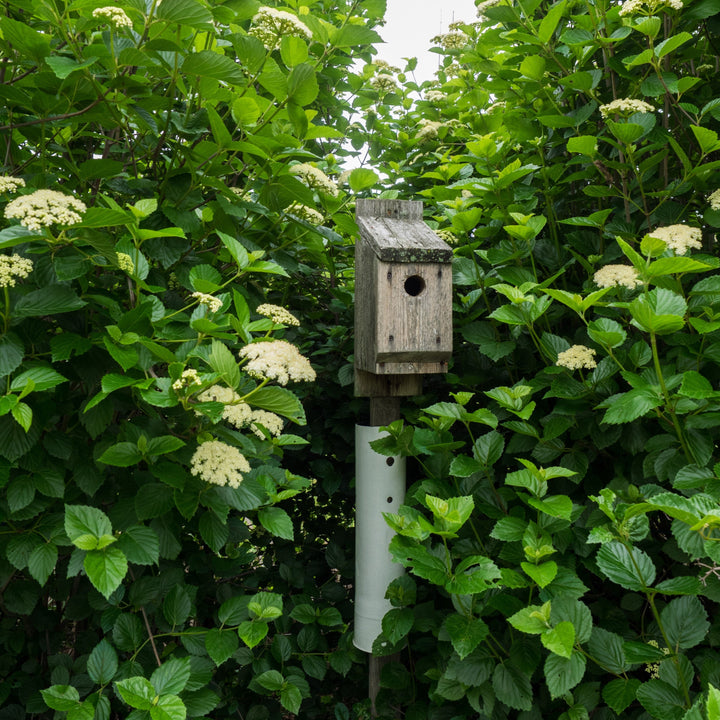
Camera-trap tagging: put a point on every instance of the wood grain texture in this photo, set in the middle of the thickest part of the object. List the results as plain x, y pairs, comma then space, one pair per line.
403, 292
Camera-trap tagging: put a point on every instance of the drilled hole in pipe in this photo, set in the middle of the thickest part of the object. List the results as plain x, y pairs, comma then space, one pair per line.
390, 461
414, 285
389, 500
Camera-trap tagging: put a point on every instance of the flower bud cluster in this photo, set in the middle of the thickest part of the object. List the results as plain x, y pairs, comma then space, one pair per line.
276, 360
114, 15
44, 208
270, 25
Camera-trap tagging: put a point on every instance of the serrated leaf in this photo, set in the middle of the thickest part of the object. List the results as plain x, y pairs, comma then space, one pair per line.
221, 644
466, 633
543, 574
106, 568
177, 605
396, 624
632, 569
102, 663
661, 700
42, 562
85, 520
512, 687
277, 522
140, 545
172, 676
168, 707
123, 454
61, 697
560, 639
685, 622
606, 648
563, 674
252, 632
291, 698
620, 693
136, 692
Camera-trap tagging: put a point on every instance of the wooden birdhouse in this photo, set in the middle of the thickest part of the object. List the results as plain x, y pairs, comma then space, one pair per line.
403, 295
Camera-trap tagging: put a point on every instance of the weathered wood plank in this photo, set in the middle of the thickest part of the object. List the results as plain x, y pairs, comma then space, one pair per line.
374, 385
410, 241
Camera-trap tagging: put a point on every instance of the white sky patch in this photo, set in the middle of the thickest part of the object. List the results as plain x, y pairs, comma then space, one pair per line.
410, 24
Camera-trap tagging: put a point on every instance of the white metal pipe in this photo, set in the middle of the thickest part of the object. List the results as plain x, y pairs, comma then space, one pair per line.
379, 488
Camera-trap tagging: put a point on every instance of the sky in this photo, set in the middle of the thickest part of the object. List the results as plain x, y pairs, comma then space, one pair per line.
411, 23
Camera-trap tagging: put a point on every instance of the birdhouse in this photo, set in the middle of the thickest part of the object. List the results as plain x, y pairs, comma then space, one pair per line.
403, 292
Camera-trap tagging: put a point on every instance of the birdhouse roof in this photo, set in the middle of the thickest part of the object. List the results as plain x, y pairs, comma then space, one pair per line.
403, 240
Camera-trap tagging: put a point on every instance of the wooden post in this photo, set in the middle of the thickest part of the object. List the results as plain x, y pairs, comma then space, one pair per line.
403, 319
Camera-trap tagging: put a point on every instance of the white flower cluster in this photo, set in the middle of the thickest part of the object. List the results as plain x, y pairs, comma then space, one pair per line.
385, 65
239, 414
12, 267
577, 357
625, 106
187, 378
10, 184
452, 40
271, 25
219, 463
305, 213
384, 82
314, 177
612, 275
435, 96
277, 314
276, 360
630, 7
213, 303
114, 15
44, 208
714, 200
270, 421
428, 129
679, 238
447, 236
486, 4
125, 263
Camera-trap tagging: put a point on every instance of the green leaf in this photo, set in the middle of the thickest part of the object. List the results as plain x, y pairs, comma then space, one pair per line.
172, 676
23, 415
123, 454
61, 697
607, 649
550, 22
559, 506
177, 606
695, 385
632, 405
252, 632
106, 568
291, 698
563, 674
11, 353
350, 35
164, 444
607, 332
50, 300
280, 401
512, 687
276, 521
565, 607
293, 50
302, 84
20, 493
40, 378
670, 265
397, 623
466, 633
25, 39
207, 63
362, 179
685, 622
560, 639
620, 693
533, 619
632, 569
542, 574
626, 132
84, 520
168, 707
184, 12
713, 703
661, 700
42, 562
271, 680
140, 545
102, 663
136, 692
223, 362
661, 311
707, 139
584, 144
672, 43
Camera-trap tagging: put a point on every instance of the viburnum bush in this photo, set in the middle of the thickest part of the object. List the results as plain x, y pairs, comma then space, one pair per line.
170, 196
561, 526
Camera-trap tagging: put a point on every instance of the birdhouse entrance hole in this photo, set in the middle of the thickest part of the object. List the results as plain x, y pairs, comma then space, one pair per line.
414, 285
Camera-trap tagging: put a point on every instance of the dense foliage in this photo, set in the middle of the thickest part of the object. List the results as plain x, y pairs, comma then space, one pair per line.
561, 528
176, 515
163, 192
